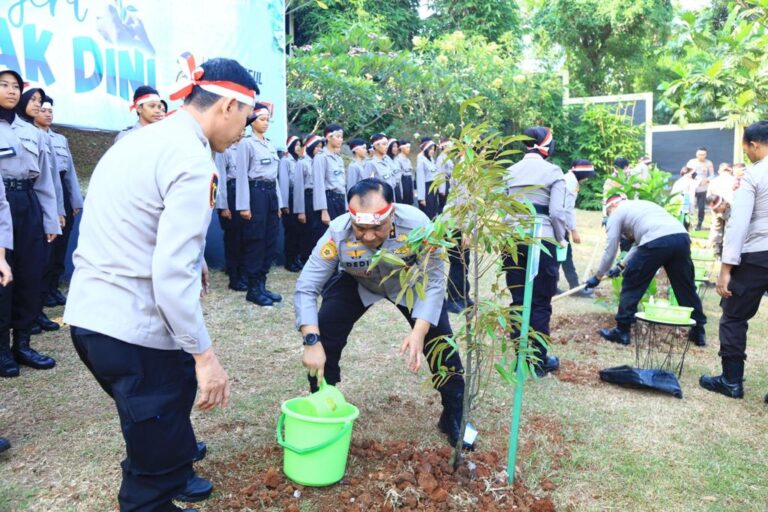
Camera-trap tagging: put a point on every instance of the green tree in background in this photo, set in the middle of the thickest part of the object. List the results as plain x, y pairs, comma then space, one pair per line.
720, 69
609, 46
492, 19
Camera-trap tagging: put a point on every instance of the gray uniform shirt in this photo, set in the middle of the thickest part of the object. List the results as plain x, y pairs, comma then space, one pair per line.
55, 176
286, 177
747, 228
128, 130
549, 191
571, 192
338, 249
381, 169
6, 223
639, 221
303, 180
426, 171
256, 160
64, 166
445, 166
142, 235
328, 172
395, 171
227, 167
31, 162
356, 173
406, 167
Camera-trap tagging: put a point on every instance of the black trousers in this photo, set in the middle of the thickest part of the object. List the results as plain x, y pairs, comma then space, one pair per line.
233, 235
673, 252
59, 246
292, 227
443, 198
407, 183
315, 228
22, 300
458, 282
569, 269
701, 205
260, 233
544, 288
398, 193
432, 201
154, 391
748, 284
337, 204
342, 308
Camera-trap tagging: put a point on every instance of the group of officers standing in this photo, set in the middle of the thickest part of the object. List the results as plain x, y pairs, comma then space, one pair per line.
136, 317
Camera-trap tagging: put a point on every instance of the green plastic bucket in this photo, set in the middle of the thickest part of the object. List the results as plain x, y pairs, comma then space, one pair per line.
315, 449
561, 253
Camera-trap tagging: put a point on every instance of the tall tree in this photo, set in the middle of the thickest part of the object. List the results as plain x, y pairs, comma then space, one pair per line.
609, 45
489, 18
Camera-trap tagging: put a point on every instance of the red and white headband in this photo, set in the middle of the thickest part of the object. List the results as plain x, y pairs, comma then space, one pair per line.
267, 108
615, 200
382, 140
543, 146
313, 139
426, 146
583, 168
716, 203
373, 218
193, 77
291, 140
144, 99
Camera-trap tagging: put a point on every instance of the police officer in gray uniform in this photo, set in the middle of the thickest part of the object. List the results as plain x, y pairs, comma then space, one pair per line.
134, 301
743, 276
329, 177
287, 180
378, 167
259, 203
393, 149
148, 107
659, 240
356, 169
406, 171
229, 219
343, 256
313, 147
64, 166
426, 173
6, 243
542, 183
29, 189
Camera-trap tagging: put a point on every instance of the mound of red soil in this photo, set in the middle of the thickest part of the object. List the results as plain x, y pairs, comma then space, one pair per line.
383, 477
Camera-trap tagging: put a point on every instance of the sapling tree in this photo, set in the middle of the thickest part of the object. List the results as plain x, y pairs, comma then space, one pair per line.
484, 220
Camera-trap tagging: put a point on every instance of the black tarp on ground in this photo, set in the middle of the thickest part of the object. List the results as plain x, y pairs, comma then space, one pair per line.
641, 378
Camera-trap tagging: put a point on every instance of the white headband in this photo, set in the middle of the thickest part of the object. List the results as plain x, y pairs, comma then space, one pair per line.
144, 99
373, 218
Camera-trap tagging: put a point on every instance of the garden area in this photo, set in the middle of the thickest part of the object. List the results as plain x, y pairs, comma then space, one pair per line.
479, 73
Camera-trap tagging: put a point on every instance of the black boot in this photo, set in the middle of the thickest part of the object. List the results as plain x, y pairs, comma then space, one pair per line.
730, 383
50, 301
36, 329
454, 306
202, 451
4, 444
450, 419
60, 298
198, 489
616, 335
46, 323
547, 365
698, 336
275, 297
27, 356
256, 295
237, 283
8, 365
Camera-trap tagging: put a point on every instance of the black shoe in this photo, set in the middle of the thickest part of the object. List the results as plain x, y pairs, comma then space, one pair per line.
4, 444
202, 451
8, 365
450, 419
198, 489
548, 365
36, 329
274, 297
27, 356
237, 285
46, 323
718, 384
615, 335
698, 337
257, 297
60, 298
454, 306
50, 301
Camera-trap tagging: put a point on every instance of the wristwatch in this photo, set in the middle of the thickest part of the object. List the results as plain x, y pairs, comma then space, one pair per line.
311, 339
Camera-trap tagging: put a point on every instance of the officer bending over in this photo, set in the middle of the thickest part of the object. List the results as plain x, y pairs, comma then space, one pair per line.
341, 259
659, 240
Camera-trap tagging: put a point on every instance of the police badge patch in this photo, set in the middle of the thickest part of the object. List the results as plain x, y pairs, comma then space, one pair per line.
214, 189
329, 251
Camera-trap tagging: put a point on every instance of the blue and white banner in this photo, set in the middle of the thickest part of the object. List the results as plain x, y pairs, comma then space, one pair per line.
90, 55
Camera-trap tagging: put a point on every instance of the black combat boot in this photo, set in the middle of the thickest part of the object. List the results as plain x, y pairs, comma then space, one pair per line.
730, 383
450, 419
275, 297
616, 335
547, 365
27, 356
237, 283
8, 365
256, 295
46, 323
698, 336
50, 301
59, 297
197, 489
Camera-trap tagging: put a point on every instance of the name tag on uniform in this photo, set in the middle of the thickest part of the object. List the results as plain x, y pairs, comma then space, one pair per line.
265, 161
7, 152
337, 172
